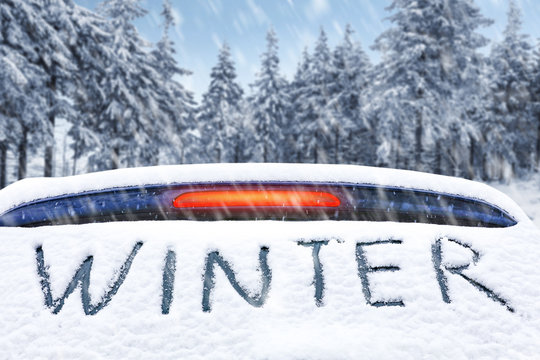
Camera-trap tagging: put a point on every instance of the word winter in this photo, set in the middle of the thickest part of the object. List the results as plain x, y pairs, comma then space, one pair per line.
82, 277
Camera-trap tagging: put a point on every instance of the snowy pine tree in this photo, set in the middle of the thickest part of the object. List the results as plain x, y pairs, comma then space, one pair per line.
219, 113
311, 94
270, 104
465, 69
14, 94
297, 114
320, 81
32, 43
92, 53
176, 103
12, 97
351, 132
536, 102
511, 60
59, 66
428, 54
130, 121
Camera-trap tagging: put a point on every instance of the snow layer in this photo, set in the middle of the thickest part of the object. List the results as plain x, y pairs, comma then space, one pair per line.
37, 188
290, 324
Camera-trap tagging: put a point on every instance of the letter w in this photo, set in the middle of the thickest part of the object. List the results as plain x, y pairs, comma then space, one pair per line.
82, 277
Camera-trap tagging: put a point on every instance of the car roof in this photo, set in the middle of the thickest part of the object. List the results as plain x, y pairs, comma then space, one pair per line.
32, 189
417, 264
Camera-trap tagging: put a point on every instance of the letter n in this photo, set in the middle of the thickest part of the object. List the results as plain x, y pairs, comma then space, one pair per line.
256, 300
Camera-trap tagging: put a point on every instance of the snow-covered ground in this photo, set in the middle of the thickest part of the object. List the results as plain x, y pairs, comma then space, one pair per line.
526, 193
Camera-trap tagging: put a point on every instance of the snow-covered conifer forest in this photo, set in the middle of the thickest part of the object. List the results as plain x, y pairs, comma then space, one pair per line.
433, 102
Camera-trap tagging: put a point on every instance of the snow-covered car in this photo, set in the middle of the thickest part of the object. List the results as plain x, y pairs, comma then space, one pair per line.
266, 261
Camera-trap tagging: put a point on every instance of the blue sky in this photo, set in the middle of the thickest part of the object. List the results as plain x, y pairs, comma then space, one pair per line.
204, 24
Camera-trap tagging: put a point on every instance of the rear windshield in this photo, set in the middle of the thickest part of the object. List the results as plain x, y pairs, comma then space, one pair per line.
357, 203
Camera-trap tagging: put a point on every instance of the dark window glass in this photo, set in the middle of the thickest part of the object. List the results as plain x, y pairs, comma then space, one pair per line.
358, 203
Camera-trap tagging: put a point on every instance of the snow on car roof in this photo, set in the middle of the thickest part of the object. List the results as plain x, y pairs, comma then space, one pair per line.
31, 189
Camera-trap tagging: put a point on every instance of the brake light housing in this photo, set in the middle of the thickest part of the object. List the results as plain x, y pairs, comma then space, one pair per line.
256, 199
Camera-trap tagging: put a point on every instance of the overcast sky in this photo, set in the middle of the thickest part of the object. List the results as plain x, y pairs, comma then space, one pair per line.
204, 24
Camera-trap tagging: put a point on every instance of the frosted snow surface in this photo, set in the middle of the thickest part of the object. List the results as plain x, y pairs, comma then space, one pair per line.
490, 278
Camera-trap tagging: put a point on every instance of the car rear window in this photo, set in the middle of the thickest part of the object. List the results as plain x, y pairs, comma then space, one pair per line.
356, 203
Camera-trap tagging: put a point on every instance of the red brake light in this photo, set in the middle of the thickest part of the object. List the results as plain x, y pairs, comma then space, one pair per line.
256, 198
